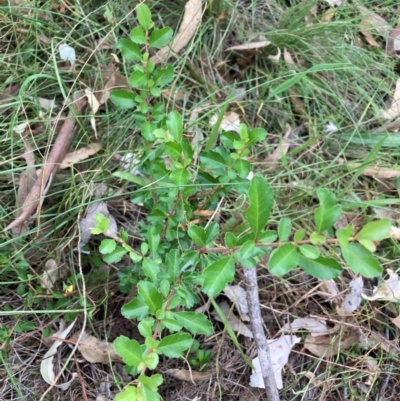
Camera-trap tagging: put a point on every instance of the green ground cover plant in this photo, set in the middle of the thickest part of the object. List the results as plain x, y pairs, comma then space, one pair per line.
198, 214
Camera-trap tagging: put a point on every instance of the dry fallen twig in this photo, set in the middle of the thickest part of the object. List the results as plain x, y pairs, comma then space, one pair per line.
51, 165
259, 335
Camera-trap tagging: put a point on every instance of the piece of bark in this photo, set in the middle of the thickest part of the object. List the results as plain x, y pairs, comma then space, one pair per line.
51, 165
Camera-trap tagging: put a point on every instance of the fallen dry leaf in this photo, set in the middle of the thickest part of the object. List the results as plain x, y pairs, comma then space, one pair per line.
394, 110
51, 273
236, 324
352, 300
314, 326
238, 296
190, 21
393, 43
394, 233
389, 290
288, 57
250, 45
373, 21
46, 366
280, 351
373, 171
189, 375
94, 350
230, 121
282, 148
80, 154
328, 346
395, 321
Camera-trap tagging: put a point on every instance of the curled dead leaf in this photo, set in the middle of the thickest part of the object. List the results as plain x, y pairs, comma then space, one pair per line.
394, 110
190, 21
94, 350
282, 148
389, 290
230, 121
189, 375
80, 154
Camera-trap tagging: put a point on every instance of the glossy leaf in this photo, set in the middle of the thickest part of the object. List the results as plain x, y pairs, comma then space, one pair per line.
173, 150
154, 240
361, 261
309, 251
137, 79
174, 345
107, 246
150, 269
138, 36
375, 230
144, 16
123, 99
283, 259
242, 167
135, 309
175, 125
160, 37
115, 256
129, 50
328, 212
261, 201
321, 268
218, 275
151, 297
344, 234
129, 350
284, 229
267, 236
198, 235
196, 323
129, 394
151, 382
299, 235
230, 240
256, 135
212, 231
180, 176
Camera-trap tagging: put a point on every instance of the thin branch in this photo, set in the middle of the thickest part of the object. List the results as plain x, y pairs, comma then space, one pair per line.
51, 165
264, 355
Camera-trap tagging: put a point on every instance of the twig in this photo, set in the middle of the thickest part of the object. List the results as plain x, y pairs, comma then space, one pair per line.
51, 166
259, 335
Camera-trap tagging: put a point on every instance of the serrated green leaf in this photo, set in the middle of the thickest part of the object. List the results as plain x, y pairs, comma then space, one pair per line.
242, 167
198, 235
218, 275
256, 135
123, 99
107, 246
150, 295
375, 230
321, 268
137, 79
129, 394
213, 161
261, 200
212, 232
328, 212
267, 236
361, 261
135, 309
174, 345
163, 76
179, 176
172, 324
284, 229
138, 36
172, 264
116, 255
151, 382
309, 251
344, 234
174, 125
160, 37
230, 240
283, 259
299, 235
173, 150
316, 238
145, 327
144, 16
151, 360
129, 50
154, 240
150, 269
129, 350
196, 323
